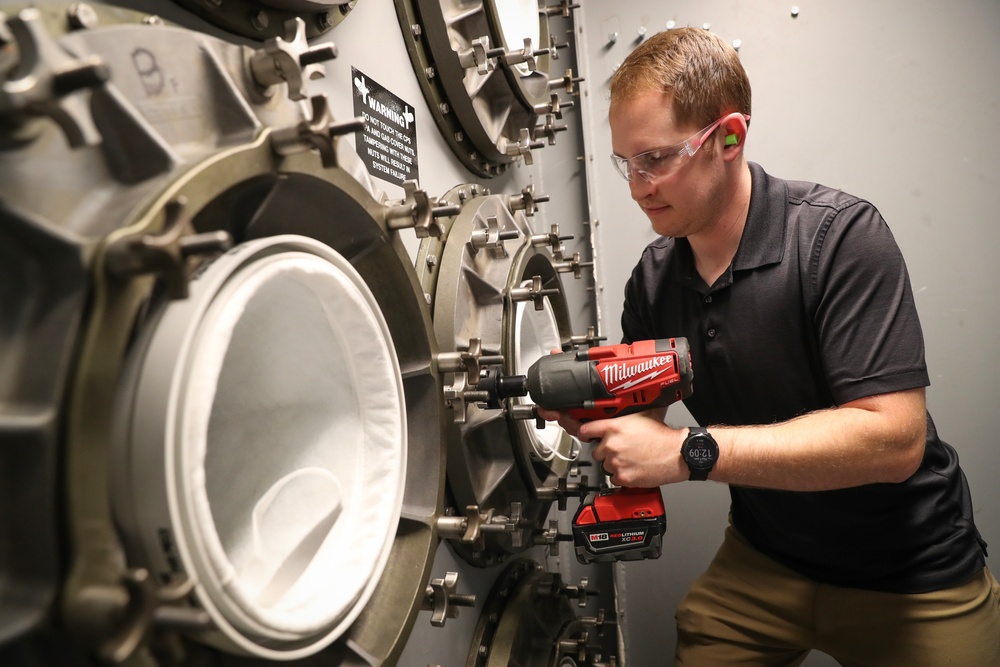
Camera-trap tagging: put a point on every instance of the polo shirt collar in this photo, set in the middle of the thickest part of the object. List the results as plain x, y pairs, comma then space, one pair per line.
763, 240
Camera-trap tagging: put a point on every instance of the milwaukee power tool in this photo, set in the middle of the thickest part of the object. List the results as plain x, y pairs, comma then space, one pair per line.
611, 381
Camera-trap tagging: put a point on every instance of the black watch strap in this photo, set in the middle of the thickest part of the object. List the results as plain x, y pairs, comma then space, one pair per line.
699, 475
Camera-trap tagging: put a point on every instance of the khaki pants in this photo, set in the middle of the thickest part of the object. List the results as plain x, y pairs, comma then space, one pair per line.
747, 609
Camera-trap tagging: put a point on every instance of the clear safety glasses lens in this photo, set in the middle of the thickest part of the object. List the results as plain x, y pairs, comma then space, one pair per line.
661, 162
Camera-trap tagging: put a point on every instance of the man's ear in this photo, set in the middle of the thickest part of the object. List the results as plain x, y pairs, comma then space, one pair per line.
735, 128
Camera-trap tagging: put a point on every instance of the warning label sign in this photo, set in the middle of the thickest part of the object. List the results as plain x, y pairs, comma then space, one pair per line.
388, 145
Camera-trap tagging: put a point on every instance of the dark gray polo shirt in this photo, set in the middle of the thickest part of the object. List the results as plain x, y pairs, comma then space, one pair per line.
815, 310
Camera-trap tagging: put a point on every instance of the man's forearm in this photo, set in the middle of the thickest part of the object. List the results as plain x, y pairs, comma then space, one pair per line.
876, 439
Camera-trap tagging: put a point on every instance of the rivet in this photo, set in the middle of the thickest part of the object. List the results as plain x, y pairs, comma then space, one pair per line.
795, 11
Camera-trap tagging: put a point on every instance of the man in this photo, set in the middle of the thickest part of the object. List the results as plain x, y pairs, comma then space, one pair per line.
851, 522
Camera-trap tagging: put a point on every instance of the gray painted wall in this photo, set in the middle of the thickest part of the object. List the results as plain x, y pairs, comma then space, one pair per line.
892, 101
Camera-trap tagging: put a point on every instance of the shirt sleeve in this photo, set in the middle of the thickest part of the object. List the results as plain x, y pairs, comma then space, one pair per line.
866, 321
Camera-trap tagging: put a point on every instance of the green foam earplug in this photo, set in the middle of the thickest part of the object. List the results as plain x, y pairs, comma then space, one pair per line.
731, 140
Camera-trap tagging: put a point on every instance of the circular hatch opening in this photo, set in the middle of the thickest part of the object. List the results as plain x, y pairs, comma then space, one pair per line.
269, 416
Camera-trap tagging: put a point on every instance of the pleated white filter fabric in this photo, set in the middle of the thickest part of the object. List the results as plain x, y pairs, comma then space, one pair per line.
292, 452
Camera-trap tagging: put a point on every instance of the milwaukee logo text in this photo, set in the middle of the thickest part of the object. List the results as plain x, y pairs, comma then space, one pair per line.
618, 376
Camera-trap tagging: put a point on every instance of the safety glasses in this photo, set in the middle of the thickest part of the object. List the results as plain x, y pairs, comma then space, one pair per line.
661, 162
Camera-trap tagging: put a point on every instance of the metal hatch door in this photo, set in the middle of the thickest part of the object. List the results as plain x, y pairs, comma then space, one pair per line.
172, 406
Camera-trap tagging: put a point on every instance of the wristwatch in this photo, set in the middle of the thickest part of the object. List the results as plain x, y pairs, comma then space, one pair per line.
700, 451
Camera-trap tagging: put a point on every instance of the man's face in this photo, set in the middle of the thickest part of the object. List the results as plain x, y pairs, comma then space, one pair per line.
684, 201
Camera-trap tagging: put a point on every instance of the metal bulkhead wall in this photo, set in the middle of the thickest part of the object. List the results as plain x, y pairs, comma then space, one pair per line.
152, 188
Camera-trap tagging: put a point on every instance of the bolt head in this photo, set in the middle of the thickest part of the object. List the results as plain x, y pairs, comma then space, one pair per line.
81, 16
260, 20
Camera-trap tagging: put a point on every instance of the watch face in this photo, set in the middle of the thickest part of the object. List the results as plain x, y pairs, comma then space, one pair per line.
700, 451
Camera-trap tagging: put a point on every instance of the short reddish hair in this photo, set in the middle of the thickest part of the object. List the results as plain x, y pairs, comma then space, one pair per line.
698, 69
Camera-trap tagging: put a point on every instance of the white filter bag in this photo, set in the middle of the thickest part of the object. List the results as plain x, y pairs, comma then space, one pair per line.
536, 334
286, 446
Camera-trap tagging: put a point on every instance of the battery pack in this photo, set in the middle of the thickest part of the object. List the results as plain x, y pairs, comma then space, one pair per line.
619, 524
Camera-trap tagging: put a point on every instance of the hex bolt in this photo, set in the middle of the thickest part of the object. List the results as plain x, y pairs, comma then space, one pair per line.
589, 339
81, 16
206, 243
446, 211
563, 8
348, 126
182, 618
87, 75
318, 54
